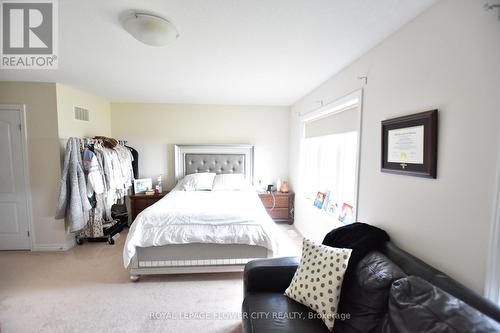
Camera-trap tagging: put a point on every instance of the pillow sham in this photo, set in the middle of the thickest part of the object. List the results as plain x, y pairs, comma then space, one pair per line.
196, 182
230, 182
318, 279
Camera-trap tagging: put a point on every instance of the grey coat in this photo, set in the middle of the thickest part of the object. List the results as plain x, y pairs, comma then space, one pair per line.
73, 204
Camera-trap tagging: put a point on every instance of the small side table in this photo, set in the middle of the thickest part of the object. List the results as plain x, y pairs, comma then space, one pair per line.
139, 202
279, 205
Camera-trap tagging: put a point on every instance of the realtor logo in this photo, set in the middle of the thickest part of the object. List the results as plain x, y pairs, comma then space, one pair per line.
29, 34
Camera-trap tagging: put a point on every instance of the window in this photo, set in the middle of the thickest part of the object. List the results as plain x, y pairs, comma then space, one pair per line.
330, 163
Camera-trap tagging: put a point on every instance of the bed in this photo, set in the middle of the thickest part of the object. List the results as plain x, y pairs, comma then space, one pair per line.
202, 231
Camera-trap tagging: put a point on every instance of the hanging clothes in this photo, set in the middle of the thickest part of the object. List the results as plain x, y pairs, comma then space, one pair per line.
135, 162
73, 203
101, 176
125, 160
116, 172
92, 170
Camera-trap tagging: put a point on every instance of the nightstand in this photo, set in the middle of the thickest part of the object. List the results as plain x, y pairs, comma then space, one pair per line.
139, 202
279, 205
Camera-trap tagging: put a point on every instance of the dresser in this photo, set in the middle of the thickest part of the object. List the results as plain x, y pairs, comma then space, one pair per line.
139, 202
279, 205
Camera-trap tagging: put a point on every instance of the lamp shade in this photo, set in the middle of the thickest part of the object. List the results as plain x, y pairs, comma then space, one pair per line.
149, 28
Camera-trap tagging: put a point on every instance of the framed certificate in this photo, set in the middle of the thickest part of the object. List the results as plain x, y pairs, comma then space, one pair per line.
409, 145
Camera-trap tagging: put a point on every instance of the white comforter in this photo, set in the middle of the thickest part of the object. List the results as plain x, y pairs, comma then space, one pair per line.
221, 217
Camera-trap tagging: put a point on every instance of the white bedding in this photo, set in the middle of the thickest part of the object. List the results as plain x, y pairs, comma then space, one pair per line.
221, 217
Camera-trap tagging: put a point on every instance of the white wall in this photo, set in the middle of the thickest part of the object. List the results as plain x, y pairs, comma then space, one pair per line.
99, 113
153, 129
447, 58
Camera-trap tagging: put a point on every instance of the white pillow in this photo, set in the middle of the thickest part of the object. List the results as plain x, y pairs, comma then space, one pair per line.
318, 279
202, 181
230, 182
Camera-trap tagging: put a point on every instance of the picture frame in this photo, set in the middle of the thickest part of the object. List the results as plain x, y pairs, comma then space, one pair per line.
320, 198
326, 201
409, 145
142, 185
346, 215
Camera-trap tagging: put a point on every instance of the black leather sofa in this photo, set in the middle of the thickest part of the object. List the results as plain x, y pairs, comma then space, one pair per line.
364, 297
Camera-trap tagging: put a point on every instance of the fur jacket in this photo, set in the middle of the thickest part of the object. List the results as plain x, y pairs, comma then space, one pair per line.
73, 204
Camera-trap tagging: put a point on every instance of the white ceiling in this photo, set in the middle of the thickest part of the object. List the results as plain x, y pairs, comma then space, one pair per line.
246, 52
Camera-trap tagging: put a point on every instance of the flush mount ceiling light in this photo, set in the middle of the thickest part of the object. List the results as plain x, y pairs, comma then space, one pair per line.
149, 28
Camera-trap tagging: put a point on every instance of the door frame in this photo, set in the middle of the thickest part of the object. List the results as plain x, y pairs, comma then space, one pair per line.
21, 109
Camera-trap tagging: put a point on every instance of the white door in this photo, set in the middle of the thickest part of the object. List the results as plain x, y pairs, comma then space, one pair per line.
14, 227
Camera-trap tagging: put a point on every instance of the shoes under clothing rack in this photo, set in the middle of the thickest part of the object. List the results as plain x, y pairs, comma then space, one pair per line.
109, 234
119, 214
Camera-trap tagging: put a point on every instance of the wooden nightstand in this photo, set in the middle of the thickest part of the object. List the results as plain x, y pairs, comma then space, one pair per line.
279, 205
139, 202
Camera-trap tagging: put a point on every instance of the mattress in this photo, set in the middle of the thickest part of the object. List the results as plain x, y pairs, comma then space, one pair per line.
208, 217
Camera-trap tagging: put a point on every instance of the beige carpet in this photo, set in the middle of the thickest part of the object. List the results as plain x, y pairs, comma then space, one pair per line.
87, 289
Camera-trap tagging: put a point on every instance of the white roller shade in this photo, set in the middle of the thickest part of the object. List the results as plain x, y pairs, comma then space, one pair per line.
341, 122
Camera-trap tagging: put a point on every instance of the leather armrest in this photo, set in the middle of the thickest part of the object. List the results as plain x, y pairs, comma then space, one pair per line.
414, 266
269, 275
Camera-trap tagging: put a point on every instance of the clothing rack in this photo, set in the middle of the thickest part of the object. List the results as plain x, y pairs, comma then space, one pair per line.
106, 220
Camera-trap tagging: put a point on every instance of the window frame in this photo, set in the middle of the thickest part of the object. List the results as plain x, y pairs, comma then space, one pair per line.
492, 285
354, 99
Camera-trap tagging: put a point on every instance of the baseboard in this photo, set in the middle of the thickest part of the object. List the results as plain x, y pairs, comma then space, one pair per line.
53, 247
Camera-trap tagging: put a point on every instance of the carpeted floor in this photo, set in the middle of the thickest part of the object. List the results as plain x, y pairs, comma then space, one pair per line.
87, 289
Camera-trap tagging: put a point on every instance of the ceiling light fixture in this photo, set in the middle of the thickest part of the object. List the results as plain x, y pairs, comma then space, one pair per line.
149, 28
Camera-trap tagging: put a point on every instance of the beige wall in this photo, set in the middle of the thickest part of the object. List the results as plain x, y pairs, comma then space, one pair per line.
49, 119
447, 58
153, 129
49, 109
99, 113
43, 154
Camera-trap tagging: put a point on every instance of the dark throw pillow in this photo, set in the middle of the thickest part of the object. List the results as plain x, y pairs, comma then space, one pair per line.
365, 296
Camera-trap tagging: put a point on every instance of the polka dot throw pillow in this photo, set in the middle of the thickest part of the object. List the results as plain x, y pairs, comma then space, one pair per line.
318, 280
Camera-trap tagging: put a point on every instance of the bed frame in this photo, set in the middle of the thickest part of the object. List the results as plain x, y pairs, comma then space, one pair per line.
198, 257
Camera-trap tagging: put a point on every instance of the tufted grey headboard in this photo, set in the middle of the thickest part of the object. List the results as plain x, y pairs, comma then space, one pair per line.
218, 163
221, 159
